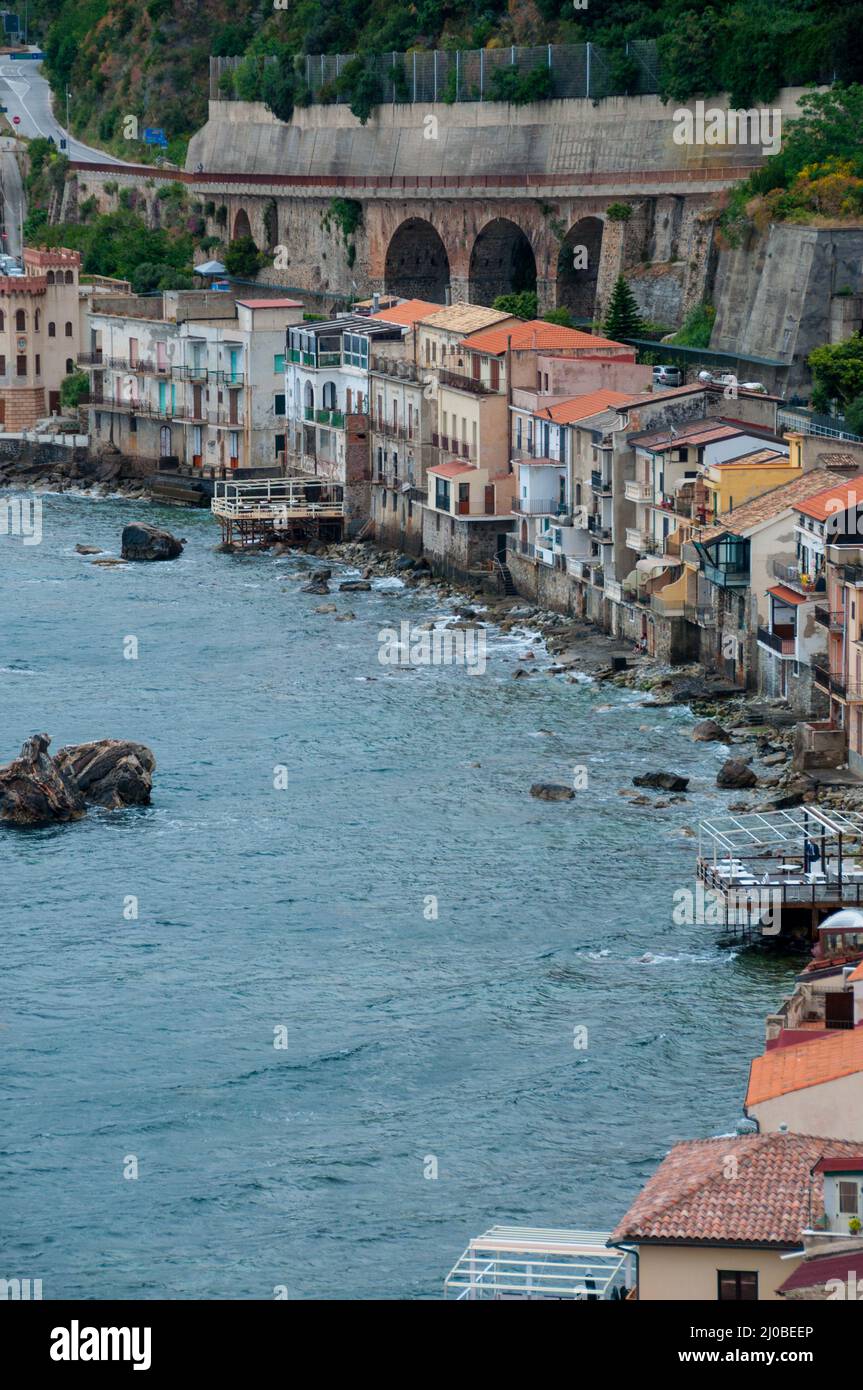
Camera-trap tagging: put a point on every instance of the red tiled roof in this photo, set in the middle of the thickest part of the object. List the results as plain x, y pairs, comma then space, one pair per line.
815, 1272
408, 313
750, 1189
787, 595
858, 973
271, 303
814, 1063
851, 1163
845, 494
580, 407
536, 333
451, 470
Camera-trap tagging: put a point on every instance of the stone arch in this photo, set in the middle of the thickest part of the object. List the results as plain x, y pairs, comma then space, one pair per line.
501, 262
309, 396
578, 267
417, 264
242, 225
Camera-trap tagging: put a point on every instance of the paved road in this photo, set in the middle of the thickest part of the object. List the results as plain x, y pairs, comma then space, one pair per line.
25, 92
14, 206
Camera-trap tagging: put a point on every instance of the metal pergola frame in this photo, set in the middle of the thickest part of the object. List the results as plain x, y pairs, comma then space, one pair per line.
531, 1263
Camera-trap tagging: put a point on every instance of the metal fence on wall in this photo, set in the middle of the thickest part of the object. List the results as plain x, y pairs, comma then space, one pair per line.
476, 74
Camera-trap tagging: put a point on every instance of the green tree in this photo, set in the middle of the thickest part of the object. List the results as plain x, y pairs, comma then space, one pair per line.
74, 389
522, 305
854, 416
837, 370
623, 319
243, 258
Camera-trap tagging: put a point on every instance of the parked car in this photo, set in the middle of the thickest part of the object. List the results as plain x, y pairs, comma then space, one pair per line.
667, 376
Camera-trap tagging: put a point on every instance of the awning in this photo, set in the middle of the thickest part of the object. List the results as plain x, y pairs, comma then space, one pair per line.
787, 595
649, 564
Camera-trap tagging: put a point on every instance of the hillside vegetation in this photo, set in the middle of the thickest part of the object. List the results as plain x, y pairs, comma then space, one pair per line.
149, 58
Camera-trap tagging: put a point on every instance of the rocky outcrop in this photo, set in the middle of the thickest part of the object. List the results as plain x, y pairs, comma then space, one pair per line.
735, 774
110, 772
551, 791
38, 789
143, 542
666, 781
35, 790
354, 586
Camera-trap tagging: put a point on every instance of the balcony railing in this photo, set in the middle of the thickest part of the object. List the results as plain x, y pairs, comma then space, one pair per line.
542, 506
190, 371
832, 619
638, 540
776, 641
395, 368
460, 382
228, 378
133, 407
598, 529
598, 483
820, 675
527, 456
634, 491
797, 580
90, 359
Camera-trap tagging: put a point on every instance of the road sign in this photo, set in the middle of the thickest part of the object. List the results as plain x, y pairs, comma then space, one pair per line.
16, 120
154, 135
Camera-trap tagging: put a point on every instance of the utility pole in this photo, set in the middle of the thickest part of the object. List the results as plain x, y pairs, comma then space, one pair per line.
68, 95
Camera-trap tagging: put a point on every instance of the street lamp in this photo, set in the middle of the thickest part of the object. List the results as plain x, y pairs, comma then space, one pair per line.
68, 97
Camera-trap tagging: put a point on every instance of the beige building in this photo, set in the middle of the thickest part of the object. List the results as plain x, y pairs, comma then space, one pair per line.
717, 1217
40, 335
811, 1087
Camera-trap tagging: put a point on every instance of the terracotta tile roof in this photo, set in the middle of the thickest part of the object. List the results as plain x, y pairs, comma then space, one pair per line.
815, 1063
849, 1163
750, 1189
759, 458
466, 318
787, 595
846, 494
451, 470
580, 407
271, 303
536, 333
839, 460
701, 432
409, 313
768, 504
858, 973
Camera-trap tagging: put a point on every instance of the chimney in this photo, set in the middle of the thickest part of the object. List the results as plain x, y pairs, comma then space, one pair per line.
376, 303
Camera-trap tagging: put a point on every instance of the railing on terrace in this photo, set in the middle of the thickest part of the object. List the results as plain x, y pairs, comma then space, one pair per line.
776, 641
277, 499
537, 506
510, 1262
458, 381
576, 70
829, 618
396, 368
133, 407
526, 456
598, 483
803, 421
803, 583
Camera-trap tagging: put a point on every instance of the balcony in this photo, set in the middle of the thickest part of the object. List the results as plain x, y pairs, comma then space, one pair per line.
192, 371
635, 491
852, 574
459, 382
638, 540
833, 620
796, 580
701, 614
328, 417
228, 378
598, 530
133, 407
394, 368
543, 506
725, 576
781, 641
598, 483
820, 675
90, 359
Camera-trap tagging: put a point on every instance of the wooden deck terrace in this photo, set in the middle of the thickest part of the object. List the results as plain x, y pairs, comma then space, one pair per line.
286, 508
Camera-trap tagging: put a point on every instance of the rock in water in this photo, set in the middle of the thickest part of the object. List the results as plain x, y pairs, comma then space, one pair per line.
143, 542
709, 731
736, 774
551, 791
110, 772
665, 781
35, 790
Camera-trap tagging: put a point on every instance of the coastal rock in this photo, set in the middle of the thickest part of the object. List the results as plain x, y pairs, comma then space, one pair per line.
775, 759
87, 550
143, 542
35, 790
664, 781
551, 791
317, 586
348, 617
325, 608
354, 586
709, 731
110, 772
735, 774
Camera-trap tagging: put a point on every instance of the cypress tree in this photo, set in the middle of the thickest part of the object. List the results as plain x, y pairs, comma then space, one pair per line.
623, 319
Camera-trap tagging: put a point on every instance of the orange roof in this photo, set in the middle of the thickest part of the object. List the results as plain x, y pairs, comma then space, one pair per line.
536, 333
580, 407
750, 1189
857, 974
451, 470
787, 595
846, 494
271, 303
788, 1069
407, 314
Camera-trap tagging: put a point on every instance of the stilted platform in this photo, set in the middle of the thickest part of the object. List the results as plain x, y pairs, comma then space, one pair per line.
284, 509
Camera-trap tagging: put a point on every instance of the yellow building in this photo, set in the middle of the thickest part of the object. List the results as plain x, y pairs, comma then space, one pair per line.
731, 482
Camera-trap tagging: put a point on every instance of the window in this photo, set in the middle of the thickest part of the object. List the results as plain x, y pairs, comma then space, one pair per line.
37, 320
21, 365
3, 365
280, 444
20, 321
848, 1199
68, 330
70, 278
38, 365
52, 330
279, 363
2, 321
50, 277
279, 403
737, 1286
70, 366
